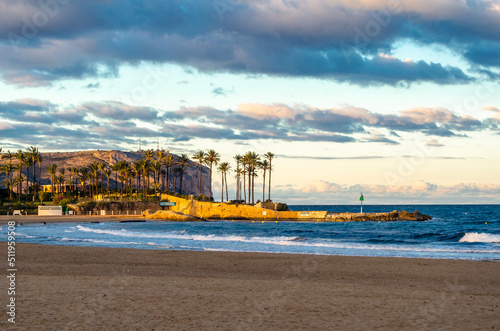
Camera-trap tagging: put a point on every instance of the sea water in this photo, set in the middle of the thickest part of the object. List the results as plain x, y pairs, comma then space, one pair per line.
468, 232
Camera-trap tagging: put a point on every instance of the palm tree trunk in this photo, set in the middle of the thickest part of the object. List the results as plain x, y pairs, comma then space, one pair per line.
244, 185
269, 186
225, 180
264, 187
210, 182
201, 174
222, 191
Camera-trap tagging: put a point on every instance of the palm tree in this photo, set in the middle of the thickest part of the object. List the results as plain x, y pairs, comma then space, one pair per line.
254, 161
264, 165
39, 160
102, 167
20, 156
156, 166
51, 169
224, 168
60, 180
182, 162
9, 183
108, 174
32, 152
115, 167
137, 169
239, 173
19, 182
75, 172
84, 175
62, 172
238, 159
27, 163
94, 169
213, 158
200, 156
41, 196
145, 169
269, 156
169, 161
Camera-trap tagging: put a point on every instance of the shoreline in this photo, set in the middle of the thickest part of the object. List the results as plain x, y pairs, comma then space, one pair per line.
119, 288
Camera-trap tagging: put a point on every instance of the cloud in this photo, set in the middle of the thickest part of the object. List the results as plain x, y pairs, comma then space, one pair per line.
219, 91
418, 191
491, 108
122, 123
434, 143
92, 86
343, 41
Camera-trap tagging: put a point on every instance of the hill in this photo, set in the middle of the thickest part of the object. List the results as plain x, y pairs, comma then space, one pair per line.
85, 158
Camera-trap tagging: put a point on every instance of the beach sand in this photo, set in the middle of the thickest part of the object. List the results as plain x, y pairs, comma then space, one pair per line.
85, 288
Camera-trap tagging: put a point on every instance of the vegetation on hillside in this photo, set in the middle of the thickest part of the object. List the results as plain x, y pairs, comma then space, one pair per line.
141, 180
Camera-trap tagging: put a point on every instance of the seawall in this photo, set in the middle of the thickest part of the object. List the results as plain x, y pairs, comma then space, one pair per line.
211, 210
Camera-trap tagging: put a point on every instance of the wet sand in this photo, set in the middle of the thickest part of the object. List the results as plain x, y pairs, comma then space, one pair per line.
4, 219
79, 288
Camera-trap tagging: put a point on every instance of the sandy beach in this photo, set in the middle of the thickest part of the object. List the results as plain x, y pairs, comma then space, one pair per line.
76, 288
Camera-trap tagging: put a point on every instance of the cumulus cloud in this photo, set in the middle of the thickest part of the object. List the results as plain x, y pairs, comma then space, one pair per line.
116, 121
344, 41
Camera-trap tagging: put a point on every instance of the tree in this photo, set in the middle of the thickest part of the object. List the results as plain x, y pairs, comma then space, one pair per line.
62, 173
102, 167
94, 170
108, 174
9, 183
145, 169
41, 196
182, 162
84, 175
32, 152
238, 159
169, 161
269, 156
264, 165
251, 159
51, 169
137, 169
20, 156
27, 163
39, 160
156, 166
161, 156
75, 171
116, 169
224, 168
200, 157
213, 158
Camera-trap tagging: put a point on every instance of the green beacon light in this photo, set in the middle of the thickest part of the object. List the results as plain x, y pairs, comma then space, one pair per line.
361, 199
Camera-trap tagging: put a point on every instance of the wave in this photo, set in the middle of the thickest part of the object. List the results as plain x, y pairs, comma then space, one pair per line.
96, 241
474, 237
24, 235
279, 240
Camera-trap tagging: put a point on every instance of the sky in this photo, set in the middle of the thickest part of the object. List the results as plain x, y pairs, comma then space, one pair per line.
397, 99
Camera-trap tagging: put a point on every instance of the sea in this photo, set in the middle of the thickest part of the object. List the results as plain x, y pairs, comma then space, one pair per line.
462, 232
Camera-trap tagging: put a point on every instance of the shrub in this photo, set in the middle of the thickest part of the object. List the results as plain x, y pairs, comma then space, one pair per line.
282, 207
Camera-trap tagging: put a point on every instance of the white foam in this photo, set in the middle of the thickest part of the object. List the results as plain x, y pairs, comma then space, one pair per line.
176, 235
474, 237
24, 235
100, 241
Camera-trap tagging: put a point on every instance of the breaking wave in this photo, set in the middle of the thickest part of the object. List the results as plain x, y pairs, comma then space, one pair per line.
474, 237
